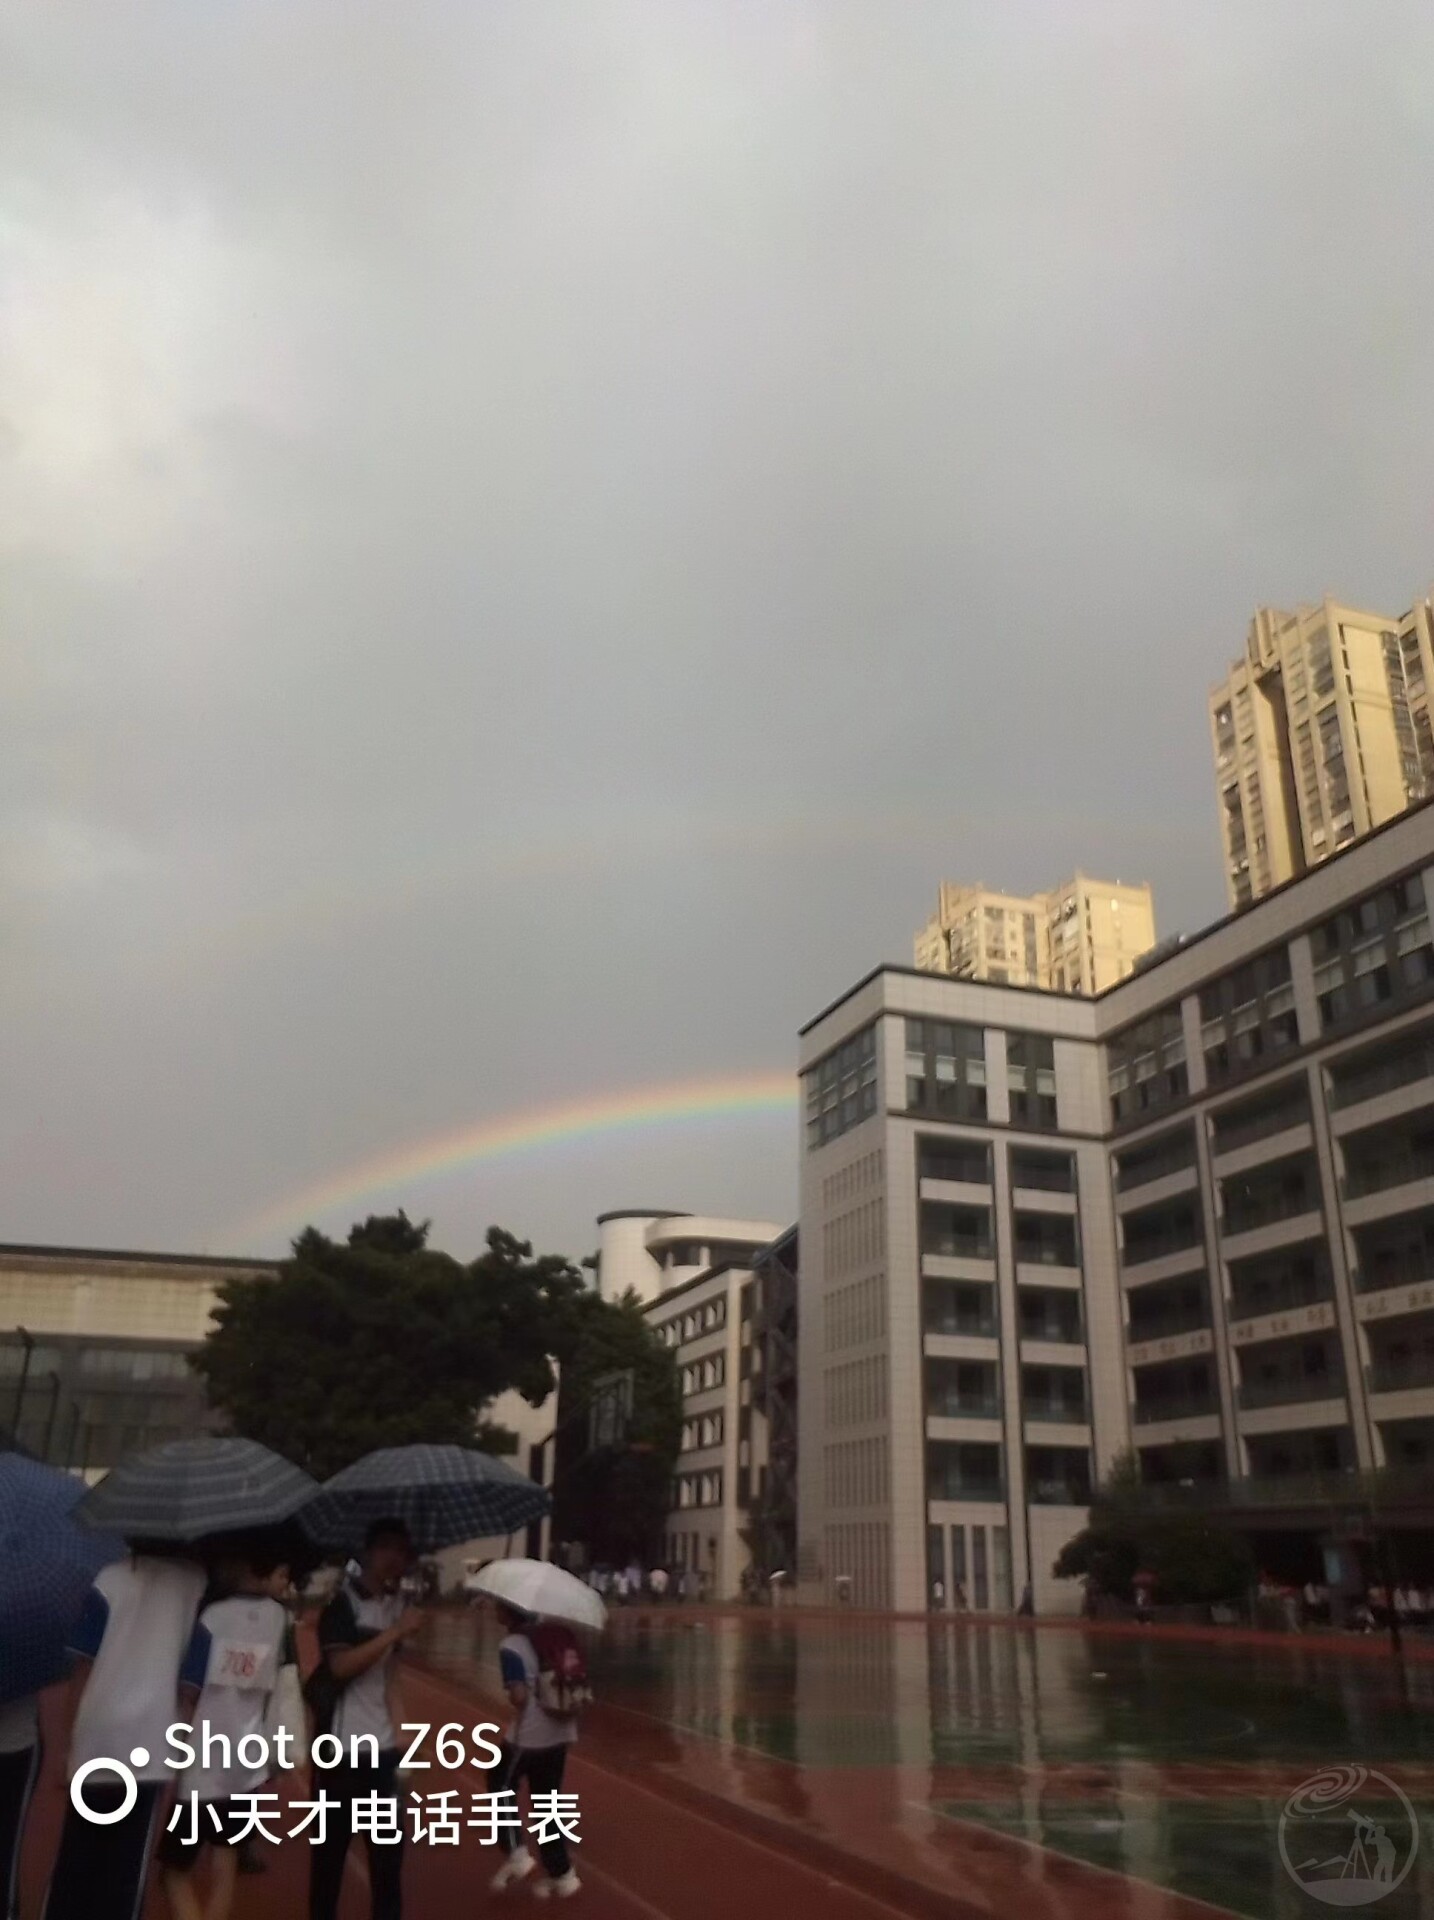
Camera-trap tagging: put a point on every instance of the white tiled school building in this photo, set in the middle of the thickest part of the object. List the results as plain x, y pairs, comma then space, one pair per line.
1194, 1215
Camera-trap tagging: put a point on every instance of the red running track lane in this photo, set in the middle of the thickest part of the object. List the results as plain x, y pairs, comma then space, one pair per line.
663, 1843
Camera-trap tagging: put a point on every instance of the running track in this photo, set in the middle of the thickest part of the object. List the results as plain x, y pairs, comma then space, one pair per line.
659, 1844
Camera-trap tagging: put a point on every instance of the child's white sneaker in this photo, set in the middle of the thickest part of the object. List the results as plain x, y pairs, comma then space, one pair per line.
563, 1888
515, 1868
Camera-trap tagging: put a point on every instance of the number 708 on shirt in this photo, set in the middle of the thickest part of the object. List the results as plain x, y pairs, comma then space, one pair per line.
451, 1745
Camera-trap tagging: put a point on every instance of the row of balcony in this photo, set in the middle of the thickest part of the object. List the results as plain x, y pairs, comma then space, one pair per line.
987, 1406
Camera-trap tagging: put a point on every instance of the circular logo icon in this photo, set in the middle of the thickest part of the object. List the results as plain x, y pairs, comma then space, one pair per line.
1348, 1836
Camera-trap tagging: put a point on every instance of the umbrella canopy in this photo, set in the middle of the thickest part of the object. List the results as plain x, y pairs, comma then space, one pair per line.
46, 1566
188, 1489
533, 1586
442, 1495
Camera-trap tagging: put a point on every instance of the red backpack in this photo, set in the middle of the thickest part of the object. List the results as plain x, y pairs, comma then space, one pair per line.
562, 1672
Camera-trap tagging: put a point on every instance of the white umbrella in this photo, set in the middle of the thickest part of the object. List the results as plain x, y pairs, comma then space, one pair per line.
536, 1586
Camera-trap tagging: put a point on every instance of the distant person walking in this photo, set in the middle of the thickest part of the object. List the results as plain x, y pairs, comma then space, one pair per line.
360, 1633
139, 1669
657, 1581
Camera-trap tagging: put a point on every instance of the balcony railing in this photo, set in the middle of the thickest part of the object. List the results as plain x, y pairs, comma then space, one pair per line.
949, 1405
1245, 1216
1062, 1333
1385, 1076
1377, 1176
1059, 1493
951, 1246
1043, 1179
955, 1487
1074, 1412
1044, 1253
1164, 1326
1186, 1406
1409, 1270
1290, 1391
1157, 1246
981, 1326
1145, 1173
1285, 1297
1388, 1375
1254, 1127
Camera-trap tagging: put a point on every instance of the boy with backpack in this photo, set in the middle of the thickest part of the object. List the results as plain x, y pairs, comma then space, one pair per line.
545, 1681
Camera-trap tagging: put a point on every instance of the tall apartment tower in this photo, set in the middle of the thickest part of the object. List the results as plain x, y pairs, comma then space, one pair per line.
1321, 733
1080, 938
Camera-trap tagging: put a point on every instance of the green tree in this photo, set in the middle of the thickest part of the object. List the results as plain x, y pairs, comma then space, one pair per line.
382, 1341
613, 1498
1195, 1558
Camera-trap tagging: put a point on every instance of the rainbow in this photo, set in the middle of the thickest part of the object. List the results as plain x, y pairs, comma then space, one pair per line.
389, 1174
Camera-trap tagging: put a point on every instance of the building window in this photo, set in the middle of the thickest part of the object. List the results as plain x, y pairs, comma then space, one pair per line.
1145, 1066
1031, 1078
1375, 951
965, 1161
1248, 1015
1046, 1240
841, 1089
956, 1233
946, 1069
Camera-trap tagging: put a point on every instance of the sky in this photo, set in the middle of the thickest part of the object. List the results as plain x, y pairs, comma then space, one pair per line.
533, 536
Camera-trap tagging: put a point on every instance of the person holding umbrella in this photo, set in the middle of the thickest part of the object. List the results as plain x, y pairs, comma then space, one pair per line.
135, 1673
140, 1664
545, 1684
360, 1633
47, 1563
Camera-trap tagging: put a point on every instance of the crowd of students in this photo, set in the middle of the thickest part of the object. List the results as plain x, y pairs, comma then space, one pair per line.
627, 1585
169, 1636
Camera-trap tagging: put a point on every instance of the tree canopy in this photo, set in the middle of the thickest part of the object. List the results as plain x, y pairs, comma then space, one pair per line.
383, 1341
1194, 1557
613, 1498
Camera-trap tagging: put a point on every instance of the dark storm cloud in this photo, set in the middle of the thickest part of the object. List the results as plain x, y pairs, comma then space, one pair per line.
534, 537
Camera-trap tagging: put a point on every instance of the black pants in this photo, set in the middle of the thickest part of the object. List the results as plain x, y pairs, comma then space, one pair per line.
542, 1768
18, 1774
101, 1872
385, 1863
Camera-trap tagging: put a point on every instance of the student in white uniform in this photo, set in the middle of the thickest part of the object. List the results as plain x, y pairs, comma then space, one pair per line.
20, 1757
138, 1673
537, 1752
244, 1640
360, 1632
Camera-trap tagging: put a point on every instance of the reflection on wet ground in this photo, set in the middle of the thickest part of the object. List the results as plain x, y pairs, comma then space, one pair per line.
901, 1742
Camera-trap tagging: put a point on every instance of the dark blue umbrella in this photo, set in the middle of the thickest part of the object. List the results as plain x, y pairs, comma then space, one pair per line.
188, 1489
47, 1565
442, 1495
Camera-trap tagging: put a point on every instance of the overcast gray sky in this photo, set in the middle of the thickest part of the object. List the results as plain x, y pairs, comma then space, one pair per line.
534, 535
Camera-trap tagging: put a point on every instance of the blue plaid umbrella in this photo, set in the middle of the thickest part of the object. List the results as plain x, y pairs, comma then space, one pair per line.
442, 1495
47, 1565
187, 1490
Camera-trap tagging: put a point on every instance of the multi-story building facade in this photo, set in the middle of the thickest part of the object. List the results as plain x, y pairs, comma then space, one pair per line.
1194, 1215
698, 1278
95, 1346
1321, 733
1079, 938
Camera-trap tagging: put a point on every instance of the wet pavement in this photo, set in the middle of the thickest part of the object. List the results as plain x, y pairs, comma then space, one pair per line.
1054, 1769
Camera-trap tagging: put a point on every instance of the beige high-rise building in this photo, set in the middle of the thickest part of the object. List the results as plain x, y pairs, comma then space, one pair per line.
1080, 938
1321, 733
